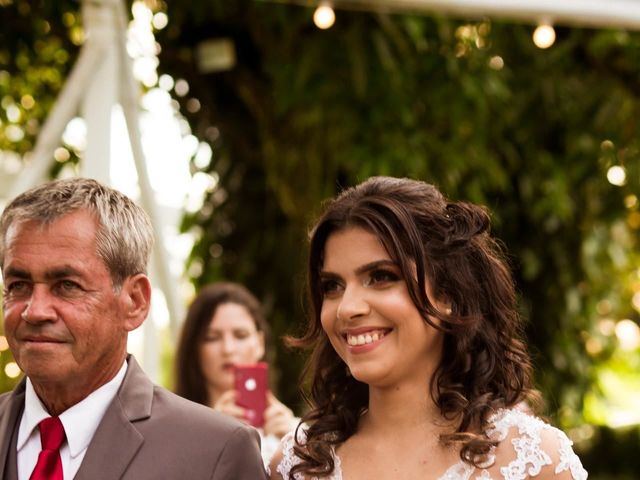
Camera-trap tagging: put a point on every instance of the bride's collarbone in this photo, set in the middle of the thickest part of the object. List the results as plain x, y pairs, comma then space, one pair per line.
391, 460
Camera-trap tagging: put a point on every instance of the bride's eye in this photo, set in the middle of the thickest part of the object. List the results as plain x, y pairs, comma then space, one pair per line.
381, 277
329, 286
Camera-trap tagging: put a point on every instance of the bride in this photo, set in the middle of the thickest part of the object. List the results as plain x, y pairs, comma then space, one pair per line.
418, 370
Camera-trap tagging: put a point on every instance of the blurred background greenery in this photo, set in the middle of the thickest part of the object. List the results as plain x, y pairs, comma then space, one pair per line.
546, 138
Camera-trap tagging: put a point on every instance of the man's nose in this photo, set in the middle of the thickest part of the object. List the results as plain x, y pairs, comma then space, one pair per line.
39, 306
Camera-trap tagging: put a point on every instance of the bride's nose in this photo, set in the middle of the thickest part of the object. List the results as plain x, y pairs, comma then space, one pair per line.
353, 303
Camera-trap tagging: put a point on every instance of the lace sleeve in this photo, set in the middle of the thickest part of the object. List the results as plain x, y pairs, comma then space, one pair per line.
535, 445
289, 458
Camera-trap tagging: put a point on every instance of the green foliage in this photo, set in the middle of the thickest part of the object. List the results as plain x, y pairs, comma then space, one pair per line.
38, 45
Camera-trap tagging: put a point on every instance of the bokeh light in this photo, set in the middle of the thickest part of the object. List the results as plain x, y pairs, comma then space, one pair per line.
617, 175
324, 17
544, 36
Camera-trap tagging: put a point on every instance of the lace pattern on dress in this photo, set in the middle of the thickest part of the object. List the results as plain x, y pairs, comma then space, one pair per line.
530, 455
289, 458
569, 460
484, 475
460, 471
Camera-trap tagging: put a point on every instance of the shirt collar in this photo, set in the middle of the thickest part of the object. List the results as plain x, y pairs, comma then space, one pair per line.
80, 421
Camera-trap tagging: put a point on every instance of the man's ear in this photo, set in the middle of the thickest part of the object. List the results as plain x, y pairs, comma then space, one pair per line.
136, 297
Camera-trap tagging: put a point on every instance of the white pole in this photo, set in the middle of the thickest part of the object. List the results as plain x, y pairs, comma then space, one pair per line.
129, 95
101, 91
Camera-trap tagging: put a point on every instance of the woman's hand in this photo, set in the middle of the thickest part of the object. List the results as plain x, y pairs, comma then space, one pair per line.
278, 418
227, 404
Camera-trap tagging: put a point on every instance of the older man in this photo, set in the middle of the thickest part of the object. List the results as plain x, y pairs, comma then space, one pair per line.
74, 255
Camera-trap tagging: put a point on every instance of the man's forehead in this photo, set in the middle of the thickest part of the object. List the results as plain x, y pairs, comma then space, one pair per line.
50, 248
78, 223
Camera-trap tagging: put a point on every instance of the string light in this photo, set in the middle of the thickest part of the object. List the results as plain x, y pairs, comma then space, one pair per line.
544, 35
324, 17
617, 175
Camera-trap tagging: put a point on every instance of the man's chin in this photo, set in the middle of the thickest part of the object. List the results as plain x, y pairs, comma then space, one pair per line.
42, 369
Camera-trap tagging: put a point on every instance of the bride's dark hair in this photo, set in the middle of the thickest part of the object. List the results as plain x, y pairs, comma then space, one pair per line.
484, 365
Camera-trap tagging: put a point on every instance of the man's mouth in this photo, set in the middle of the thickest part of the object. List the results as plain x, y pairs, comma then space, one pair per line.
39, 339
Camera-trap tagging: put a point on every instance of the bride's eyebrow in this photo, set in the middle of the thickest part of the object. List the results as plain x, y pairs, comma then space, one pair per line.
368, 267
375, 265
324, 275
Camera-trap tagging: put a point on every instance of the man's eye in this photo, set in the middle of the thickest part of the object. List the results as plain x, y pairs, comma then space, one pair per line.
69, 285
16, 288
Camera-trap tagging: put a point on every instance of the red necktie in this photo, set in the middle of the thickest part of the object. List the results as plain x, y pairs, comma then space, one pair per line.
49, 466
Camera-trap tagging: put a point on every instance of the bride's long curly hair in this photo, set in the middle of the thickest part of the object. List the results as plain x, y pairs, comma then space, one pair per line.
484, 364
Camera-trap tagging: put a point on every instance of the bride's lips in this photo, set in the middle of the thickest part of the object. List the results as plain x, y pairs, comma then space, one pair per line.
364, 339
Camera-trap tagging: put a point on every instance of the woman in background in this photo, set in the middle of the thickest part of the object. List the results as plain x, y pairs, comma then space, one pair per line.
418, 369
224, 327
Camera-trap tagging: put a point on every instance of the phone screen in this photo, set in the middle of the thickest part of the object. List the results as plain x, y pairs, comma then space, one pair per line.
251, 386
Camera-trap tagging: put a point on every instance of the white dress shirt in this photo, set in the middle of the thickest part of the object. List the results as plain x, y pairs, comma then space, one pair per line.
80, 423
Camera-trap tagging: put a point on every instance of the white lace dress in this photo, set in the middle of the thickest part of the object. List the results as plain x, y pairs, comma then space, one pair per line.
527, 435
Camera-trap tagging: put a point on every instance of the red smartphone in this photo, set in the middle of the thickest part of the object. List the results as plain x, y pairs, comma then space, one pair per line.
251, 385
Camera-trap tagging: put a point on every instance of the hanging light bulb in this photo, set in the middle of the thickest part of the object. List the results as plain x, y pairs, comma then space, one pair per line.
324, 17
544, 35
617, 175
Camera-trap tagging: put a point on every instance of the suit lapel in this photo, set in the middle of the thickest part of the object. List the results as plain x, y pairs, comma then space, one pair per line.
112, 448
117, 441
11, 407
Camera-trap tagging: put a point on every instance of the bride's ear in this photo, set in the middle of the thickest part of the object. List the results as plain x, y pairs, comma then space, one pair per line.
442, 305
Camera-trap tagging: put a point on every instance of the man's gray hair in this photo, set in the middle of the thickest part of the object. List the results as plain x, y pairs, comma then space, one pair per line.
124, 237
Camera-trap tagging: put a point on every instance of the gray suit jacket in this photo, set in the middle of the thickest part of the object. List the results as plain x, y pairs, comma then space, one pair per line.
149, 433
